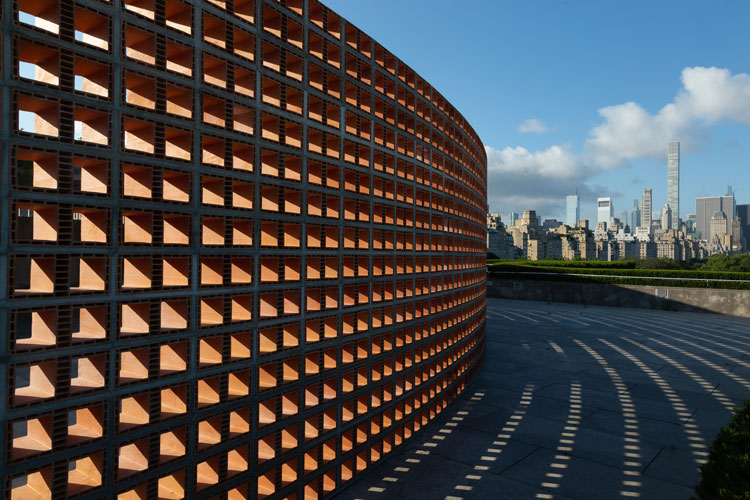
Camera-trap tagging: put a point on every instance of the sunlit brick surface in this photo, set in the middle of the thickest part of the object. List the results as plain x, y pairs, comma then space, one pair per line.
243, 247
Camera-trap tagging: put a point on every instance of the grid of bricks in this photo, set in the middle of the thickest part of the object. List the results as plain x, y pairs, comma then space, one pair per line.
243, 245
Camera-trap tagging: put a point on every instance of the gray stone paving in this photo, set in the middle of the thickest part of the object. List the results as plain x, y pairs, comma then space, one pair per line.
578, 402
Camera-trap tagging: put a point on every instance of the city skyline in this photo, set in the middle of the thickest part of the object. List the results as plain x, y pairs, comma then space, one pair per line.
672, 199
547, 139
677, 215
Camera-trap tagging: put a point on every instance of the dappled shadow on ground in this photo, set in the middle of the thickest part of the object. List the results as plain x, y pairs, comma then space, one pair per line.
578, 402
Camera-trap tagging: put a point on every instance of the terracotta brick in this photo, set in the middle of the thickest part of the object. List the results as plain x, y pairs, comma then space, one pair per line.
245, 260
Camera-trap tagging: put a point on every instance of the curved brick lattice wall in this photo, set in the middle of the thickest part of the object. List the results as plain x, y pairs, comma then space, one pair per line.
243, 246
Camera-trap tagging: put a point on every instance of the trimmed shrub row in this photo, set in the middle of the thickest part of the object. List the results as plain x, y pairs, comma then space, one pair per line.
599, 264
644, 273
604, 279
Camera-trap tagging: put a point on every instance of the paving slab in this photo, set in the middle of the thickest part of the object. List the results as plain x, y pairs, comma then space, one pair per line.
676, 466
488, 445
494, 453
657, 432
584, 479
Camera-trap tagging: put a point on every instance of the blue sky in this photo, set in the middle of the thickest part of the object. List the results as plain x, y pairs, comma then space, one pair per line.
609, 83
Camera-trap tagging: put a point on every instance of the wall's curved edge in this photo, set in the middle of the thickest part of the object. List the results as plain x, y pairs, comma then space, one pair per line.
243, 249
467, 374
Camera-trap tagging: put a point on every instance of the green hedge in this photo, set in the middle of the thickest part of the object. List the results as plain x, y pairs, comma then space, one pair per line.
726, 475
604, 279
629, 263
512, 266
732, 263
740, 262
599, 264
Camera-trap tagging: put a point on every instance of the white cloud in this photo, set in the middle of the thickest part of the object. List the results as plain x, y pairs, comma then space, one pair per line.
707, 95
713, 94
533, 126
554, 162
521, 179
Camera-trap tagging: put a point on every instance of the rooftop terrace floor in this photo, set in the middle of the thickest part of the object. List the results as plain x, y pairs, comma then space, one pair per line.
578, 402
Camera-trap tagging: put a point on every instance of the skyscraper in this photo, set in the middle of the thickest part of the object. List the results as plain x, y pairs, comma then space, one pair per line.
666, 218
604, 210
738, 238
572, 210
717, 230
636, 217
743, 212
706, 207
673, 182
690, 223
646, 209
623, 216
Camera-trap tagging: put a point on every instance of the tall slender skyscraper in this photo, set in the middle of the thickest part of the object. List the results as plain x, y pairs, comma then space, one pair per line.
572, 210
673, 182
646, 209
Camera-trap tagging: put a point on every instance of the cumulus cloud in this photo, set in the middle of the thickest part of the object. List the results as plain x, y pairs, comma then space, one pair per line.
714, 94
708, 95
532, 126
521, 179
555, 162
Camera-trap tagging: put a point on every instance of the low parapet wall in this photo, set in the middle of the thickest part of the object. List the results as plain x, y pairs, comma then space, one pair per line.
711, 300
